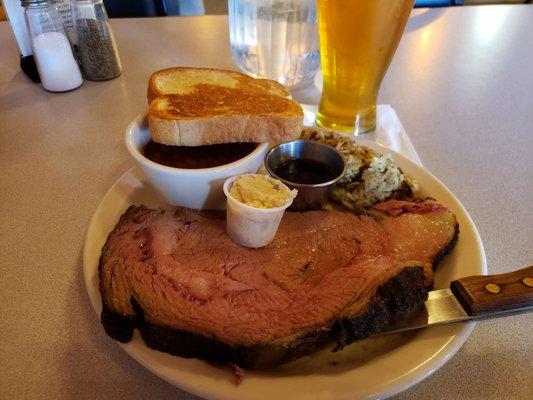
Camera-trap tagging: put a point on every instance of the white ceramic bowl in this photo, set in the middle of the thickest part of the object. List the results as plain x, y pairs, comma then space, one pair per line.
192, 188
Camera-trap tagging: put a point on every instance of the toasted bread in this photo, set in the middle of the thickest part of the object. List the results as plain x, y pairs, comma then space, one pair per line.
196, 106
182, 80
213, 115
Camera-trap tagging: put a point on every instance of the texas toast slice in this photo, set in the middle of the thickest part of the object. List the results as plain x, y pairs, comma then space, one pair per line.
196, 106
182, 80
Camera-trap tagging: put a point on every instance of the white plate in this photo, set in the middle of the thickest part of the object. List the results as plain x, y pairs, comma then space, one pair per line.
374, 368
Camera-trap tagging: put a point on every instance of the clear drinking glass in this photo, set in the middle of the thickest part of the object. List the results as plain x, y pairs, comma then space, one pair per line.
358, 39
275, 39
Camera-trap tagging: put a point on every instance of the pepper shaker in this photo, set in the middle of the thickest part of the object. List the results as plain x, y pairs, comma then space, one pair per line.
97, 49
53, 55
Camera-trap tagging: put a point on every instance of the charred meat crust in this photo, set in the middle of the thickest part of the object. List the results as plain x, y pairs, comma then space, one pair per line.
395, 297
120, 327
399, 294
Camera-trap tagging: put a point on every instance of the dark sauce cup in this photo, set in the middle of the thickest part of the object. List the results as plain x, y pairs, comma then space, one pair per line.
311, 196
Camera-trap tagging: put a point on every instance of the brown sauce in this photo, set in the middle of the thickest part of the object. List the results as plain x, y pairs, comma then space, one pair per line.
304, 171
195, 157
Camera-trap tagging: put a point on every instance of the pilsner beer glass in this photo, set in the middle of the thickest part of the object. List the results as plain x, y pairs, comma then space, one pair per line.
357, 41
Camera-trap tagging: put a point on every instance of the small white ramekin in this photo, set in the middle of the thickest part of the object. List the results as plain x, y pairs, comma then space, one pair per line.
250, 226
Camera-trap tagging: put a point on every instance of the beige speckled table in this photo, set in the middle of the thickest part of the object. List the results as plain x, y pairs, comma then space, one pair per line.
462, 84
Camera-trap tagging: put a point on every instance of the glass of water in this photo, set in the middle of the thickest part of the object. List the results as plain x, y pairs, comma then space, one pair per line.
275, 39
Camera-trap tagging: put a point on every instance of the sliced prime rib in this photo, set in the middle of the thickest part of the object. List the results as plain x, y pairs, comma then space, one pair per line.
328, 275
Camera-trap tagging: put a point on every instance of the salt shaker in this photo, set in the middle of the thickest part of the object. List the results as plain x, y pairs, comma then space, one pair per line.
53, 55
97, 49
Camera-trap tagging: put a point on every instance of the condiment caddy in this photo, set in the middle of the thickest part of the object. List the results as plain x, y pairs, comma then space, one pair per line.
48, 33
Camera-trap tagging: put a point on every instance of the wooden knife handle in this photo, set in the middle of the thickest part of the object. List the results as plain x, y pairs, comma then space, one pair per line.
486, 294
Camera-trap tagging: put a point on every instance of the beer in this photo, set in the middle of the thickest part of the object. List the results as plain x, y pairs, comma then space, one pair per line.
357, 41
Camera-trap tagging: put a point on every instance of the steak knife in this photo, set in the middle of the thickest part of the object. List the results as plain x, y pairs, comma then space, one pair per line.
470, 299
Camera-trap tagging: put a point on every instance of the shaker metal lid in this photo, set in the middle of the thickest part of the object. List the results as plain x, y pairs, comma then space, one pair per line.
25, 3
